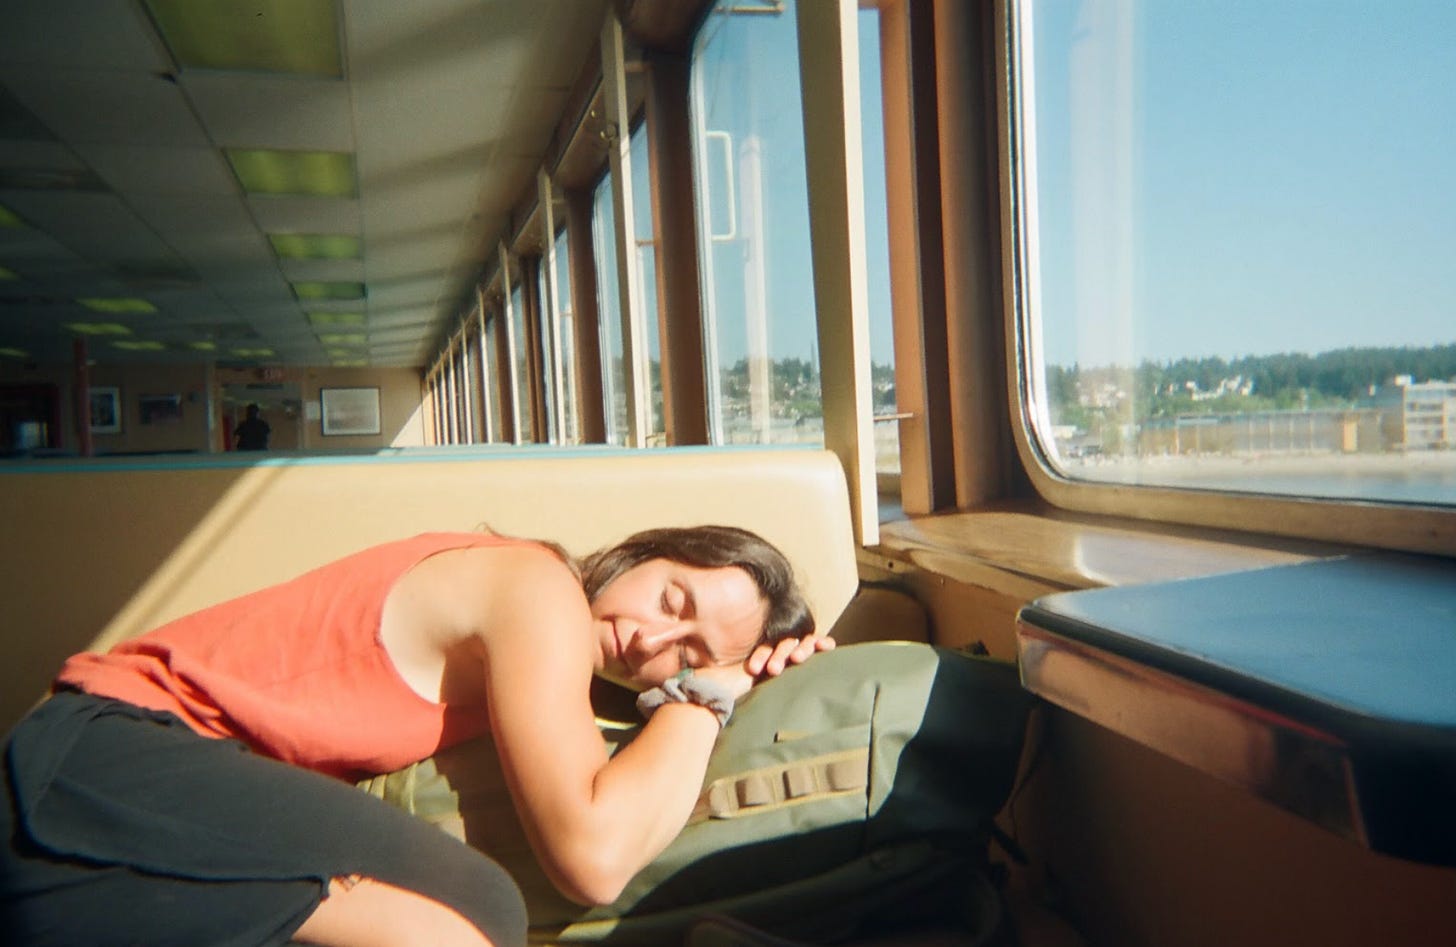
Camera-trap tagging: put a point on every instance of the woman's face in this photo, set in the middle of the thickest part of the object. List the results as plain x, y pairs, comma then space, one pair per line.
662, 616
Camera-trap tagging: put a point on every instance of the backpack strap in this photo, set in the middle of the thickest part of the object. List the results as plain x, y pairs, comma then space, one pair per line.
767, 788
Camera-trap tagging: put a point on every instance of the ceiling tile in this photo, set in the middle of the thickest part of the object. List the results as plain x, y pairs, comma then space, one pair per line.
98, 34
287, 214
146, 170
294, 113
118, 108
38, 154
97, 227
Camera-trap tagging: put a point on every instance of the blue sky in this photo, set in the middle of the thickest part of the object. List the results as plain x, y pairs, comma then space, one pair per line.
1244, 176
748, 72
1215, 177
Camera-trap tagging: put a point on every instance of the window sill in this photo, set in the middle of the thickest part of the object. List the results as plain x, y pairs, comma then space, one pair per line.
1025, 547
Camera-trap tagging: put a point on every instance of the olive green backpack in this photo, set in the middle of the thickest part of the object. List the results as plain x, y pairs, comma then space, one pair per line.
852, 793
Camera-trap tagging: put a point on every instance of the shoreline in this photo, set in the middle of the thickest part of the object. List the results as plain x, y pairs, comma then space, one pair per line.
1428, 477
1290, 463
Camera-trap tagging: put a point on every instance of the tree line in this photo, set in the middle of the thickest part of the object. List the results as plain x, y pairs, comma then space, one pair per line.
1281, 382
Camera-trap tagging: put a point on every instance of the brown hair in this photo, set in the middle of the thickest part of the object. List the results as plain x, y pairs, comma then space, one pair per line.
711, 547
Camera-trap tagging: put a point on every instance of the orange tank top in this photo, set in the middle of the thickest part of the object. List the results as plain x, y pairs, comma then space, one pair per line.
297, 671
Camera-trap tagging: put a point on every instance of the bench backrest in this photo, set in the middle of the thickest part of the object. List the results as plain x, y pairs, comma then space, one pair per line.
99, 551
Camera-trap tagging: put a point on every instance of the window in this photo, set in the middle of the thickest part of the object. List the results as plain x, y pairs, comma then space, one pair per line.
760, 336
548, 363
566, 330
1237, 226
520, 361
645, 240
475, 395
609, 314
491, 374
877, 246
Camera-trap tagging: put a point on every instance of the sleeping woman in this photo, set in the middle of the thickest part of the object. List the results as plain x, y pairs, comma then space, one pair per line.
193, 785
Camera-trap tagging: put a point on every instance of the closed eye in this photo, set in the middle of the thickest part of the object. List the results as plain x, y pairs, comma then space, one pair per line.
694, 652
674, 601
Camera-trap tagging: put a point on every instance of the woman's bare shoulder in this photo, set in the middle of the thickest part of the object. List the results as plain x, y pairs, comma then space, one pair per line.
468, 591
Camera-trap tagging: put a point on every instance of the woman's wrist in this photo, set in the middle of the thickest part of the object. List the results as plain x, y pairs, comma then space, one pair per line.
689, 688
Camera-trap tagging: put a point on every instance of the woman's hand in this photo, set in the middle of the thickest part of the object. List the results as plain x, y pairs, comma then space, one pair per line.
769, 660
733, 676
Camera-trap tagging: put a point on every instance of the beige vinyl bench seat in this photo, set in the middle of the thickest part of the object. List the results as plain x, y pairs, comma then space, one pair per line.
112, 548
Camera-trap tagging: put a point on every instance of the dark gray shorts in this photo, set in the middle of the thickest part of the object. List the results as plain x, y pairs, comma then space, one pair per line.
125, 827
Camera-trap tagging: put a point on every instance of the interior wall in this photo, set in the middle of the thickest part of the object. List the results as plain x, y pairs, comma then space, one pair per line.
198, 424
401, 394
154, 431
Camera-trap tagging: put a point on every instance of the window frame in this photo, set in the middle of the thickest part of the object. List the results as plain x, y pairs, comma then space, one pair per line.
1410, 527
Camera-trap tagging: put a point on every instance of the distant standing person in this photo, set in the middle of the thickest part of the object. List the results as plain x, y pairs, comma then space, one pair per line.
253, 433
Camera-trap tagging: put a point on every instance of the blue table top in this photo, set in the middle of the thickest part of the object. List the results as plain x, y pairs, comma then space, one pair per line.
1371, 635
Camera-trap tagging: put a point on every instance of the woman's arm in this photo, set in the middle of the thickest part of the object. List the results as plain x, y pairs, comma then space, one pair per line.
594, 821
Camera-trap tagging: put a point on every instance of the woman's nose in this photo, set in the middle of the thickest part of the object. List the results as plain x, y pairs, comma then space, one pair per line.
652, 638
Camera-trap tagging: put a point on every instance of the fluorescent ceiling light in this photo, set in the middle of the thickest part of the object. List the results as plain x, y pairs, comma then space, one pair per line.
203, 346
293, 36
117, 304
308, 173
315, 246
8, 218
344, 338
324, 290
336, 318
139, 345
254, 353
14, 353
98, 328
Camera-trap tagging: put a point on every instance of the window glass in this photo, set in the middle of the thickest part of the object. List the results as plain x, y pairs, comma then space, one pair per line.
548, 365
462, 397
1239, 223
472, 383
646, 244
761, 355
452, 402
523, 380
437, 435
877, 246
609, 312
566, 329
490, 377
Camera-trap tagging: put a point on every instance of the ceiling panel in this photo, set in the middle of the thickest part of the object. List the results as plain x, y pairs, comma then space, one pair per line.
111, 155
38, 154
100, 34
146, 169
81, 105
284, 214
289, 112
96, 226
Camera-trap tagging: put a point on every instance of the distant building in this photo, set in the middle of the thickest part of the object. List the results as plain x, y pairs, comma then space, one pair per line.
1417, 416
1338, 430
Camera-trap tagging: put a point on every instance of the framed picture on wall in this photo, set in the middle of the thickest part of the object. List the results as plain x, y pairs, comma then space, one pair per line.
159, 409
349, 410
105, 410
